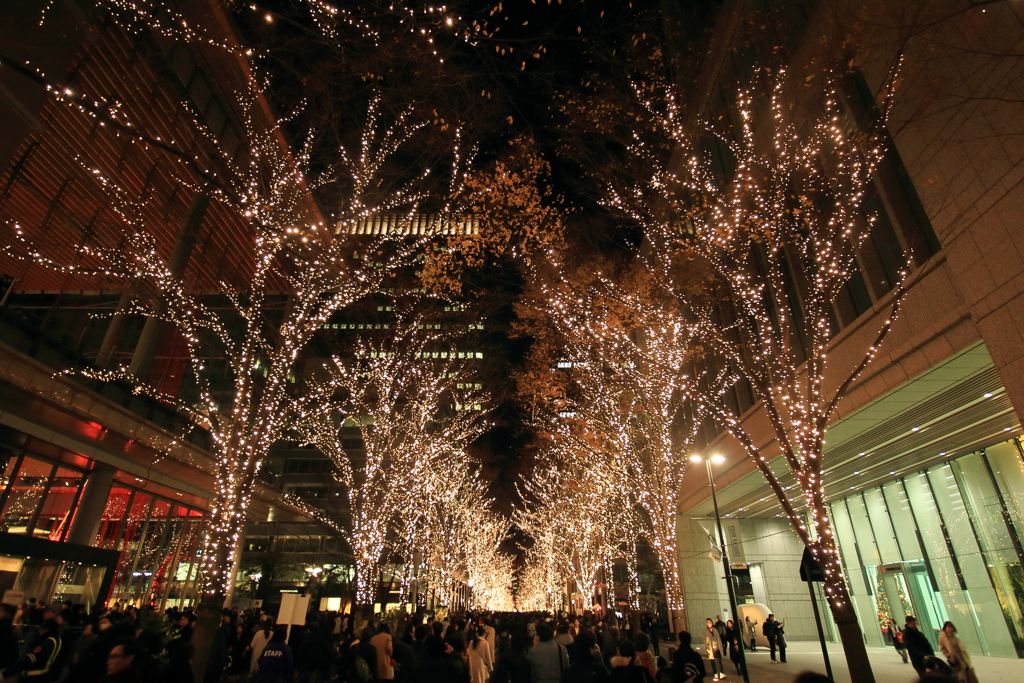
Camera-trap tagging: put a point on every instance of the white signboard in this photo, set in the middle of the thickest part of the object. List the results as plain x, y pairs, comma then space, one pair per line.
13, 597
10, 564
293, 609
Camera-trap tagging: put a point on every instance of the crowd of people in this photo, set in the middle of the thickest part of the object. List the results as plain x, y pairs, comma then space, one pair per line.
66, 643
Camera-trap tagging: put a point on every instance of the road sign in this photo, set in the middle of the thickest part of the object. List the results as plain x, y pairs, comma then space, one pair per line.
810, 570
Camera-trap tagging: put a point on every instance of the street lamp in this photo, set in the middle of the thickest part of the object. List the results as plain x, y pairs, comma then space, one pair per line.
718, 460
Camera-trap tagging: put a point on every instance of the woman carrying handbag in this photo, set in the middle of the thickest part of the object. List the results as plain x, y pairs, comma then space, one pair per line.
953, 649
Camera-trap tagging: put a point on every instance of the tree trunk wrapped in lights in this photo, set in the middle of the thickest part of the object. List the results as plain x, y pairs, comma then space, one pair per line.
779, 234
414, 424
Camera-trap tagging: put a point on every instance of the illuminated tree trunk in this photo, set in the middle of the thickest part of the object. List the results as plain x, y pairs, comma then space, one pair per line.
837, 592
668, 556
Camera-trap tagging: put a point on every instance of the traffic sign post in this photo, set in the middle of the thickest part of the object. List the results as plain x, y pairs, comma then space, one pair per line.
810, 573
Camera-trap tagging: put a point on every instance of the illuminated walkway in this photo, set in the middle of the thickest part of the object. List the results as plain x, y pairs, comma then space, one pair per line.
885, 662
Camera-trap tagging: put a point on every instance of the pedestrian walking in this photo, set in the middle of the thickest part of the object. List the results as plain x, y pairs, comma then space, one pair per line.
276, 664
917, 645
513, 666
953, 649
382, 643
37, 663
626, 668
713, 649
547, 658
734, 641
897, 639
479, 655
585, 667
687, 665
644, 655
259, 642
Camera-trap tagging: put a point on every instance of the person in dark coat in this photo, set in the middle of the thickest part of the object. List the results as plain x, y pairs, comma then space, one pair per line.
584, 668
218, 657
734, 645
512, 665
314, 656
238, 650
367, 651
436, 666
611, 645
8, 641
277, 664
897, 639
687, 664
179, 665
917, 645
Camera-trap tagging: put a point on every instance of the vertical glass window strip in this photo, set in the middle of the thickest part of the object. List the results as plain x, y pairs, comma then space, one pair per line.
860, 577
902, 519
943, 568
1007, 461
982, 504
979, 589
881, 526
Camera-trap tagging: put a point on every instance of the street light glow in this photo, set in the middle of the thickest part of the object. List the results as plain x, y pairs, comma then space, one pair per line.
718, 459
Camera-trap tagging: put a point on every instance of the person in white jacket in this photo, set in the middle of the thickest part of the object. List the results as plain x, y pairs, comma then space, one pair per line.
259, 643
481, 663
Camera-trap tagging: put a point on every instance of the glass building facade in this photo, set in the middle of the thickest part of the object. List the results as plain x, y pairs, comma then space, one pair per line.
158, 539
943, 544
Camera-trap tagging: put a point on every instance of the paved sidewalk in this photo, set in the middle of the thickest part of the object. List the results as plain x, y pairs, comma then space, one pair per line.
885, 662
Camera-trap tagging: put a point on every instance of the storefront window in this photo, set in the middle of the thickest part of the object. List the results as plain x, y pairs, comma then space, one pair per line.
109, 534
24, 495
61, 498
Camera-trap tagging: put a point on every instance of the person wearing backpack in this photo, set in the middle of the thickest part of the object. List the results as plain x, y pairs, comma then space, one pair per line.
687, 664
773, 631
359, 661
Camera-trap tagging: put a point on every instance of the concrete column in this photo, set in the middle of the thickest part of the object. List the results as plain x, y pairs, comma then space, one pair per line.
87, 517
153, 332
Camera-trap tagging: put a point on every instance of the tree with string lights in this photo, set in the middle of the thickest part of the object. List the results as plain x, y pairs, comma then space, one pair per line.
298, 269
488, 567
584, 507
631, 401
296, 261
401, 392
543, 579
778, 233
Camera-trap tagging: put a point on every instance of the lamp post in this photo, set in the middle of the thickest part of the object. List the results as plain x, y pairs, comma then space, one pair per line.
314, 574
717, 459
